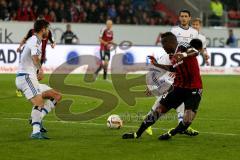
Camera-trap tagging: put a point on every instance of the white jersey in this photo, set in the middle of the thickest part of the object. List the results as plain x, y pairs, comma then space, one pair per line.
32, 47
184, 35
158, 80
203, 38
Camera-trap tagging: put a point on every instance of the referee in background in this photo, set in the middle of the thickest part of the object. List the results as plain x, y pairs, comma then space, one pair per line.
68, 36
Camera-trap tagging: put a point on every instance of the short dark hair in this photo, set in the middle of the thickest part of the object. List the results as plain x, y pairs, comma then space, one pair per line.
40, 24
185, 11
167, 37
196, 43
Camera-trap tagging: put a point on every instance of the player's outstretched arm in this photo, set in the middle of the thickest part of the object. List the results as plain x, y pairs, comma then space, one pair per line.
165, 67
21, 44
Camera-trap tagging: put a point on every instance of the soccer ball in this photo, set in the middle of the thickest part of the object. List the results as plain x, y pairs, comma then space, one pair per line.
114, 121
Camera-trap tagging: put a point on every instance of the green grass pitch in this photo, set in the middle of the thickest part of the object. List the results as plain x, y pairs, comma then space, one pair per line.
218, 121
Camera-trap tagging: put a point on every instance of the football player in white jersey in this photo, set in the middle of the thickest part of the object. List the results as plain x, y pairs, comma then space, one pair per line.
159, 82
28, 74
197, 24
184, 33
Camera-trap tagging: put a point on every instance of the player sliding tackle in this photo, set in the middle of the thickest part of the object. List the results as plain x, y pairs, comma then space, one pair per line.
187, 87
29, 72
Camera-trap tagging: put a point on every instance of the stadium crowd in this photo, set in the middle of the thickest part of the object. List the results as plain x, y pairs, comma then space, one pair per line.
151, 12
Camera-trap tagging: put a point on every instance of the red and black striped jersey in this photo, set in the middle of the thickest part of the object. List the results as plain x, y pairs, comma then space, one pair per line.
187, 71
107, 36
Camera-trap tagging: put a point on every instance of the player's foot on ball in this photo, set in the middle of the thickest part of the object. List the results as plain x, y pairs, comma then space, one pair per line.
149, 131
130, 135
166, 136
39, 135
191, 132
19, 93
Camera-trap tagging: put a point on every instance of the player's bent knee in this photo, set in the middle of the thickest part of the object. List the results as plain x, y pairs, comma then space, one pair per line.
37, 100
58, 96
161, 109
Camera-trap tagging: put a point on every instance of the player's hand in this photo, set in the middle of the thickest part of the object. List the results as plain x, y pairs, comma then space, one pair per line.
147, 92
40, 75
53, 45
19, 49
152, 59
105, 43
206, 58
179, 56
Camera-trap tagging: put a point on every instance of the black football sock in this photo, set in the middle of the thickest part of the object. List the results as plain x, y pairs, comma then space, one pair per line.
104, 73
149, 120
99, 69
53, 101
180, 128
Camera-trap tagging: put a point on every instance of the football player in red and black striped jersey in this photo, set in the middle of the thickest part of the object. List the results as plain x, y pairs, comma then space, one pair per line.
187, 85
106, 41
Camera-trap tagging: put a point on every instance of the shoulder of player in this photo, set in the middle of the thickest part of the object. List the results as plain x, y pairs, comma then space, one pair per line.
174, 28
184, 44
34, 40
200, 34
103, 29
192, 29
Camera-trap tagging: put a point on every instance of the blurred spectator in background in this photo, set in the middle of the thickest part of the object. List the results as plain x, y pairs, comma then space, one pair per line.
92, 14
232, 40
136, 12
217, 12
25, 12
68, 37
64, 14
112, 12
3, 10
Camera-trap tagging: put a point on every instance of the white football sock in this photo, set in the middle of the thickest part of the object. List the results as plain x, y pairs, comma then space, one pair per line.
156, 104
48, 106
180, 112
36, 119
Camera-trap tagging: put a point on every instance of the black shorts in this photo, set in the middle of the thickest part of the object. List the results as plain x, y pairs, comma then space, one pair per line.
190, 97
105, 55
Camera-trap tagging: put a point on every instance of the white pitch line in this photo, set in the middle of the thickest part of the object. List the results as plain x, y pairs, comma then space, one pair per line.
125, 126
204, 119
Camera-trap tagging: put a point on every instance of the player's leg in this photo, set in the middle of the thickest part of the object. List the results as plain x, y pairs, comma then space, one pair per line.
172, 100
155, 105
180, 113
101, 63
192, 100
105, 66
51, 97
30, 88
150, 119
189, 115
